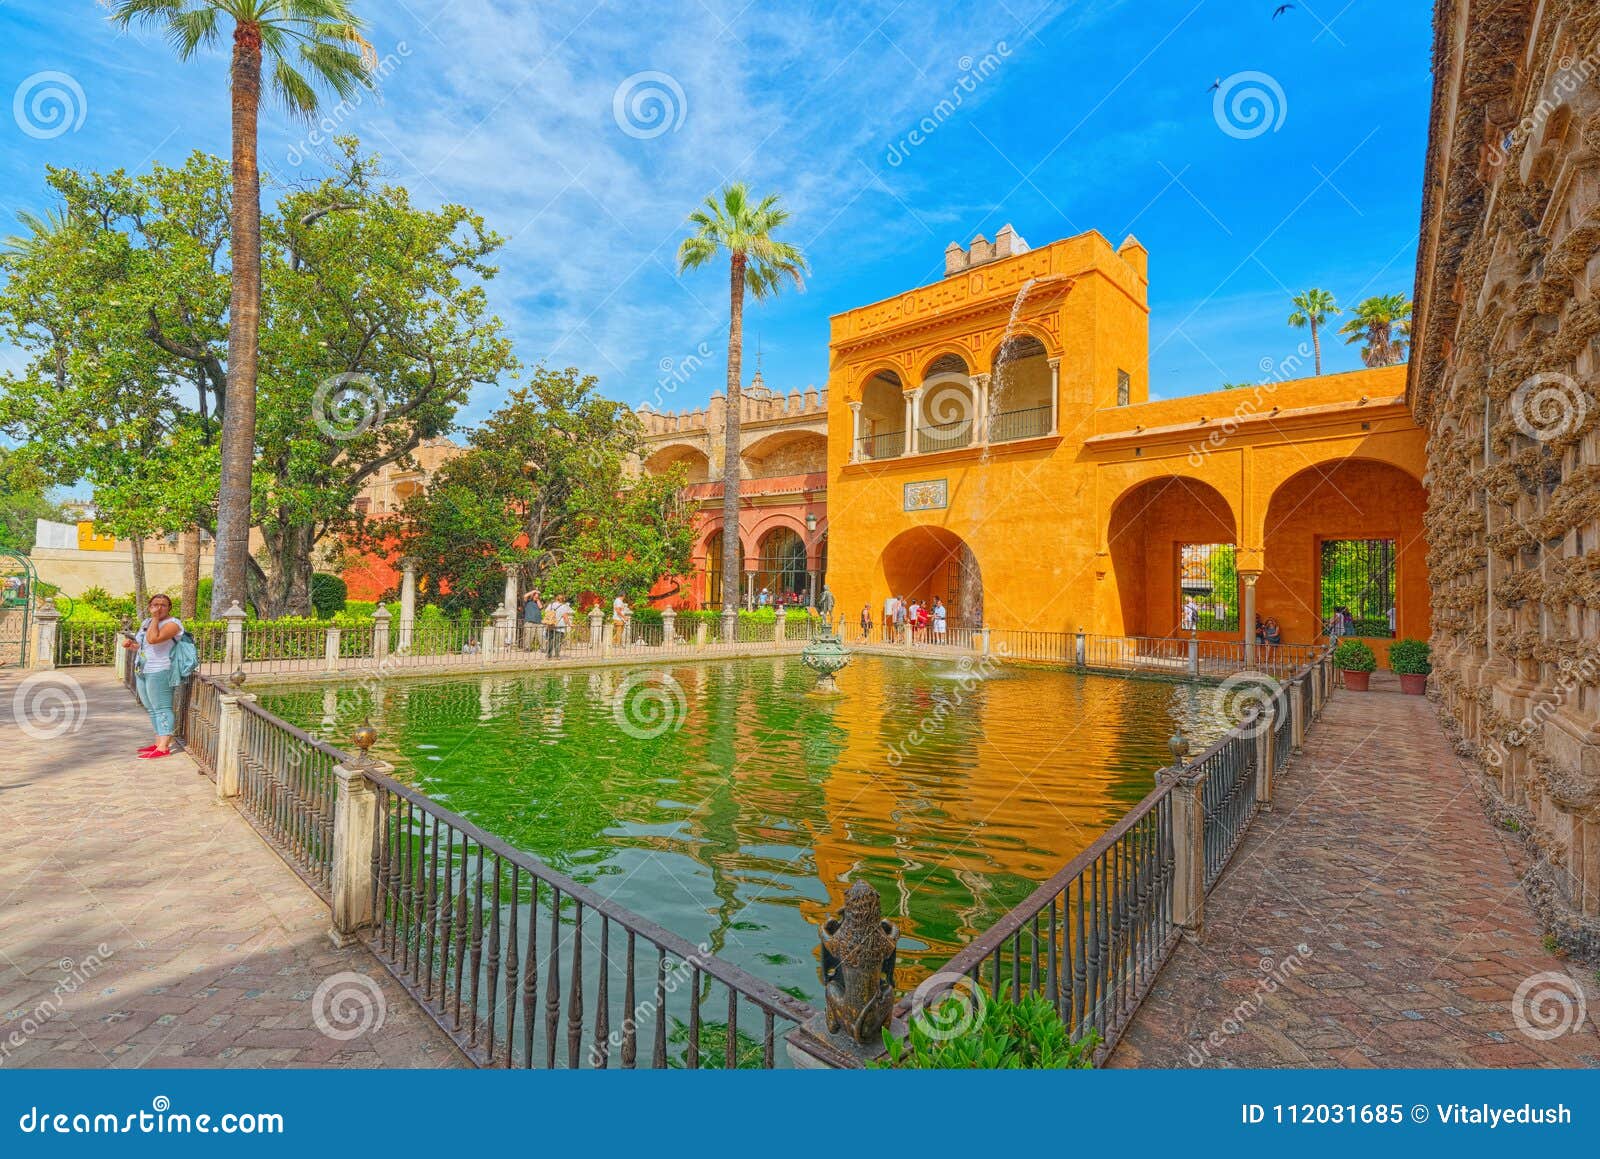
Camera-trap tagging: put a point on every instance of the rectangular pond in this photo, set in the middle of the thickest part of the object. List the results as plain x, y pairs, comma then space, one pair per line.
724, 802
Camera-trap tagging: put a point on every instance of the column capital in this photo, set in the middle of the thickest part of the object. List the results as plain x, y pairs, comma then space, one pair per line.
855, 406
980, 379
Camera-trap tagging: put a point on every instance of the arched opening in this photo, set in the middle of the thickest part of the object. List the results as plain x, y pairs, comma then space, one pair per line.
1019, 390
947, 411
781, 573
1172, 546
883, 417
931, 562
1344, 551
786, 453
697, 468
714, 561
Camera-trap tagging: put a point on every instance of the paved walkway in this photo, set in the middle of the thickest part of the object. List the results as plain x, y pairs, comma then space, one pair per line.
1378, 860
142, 924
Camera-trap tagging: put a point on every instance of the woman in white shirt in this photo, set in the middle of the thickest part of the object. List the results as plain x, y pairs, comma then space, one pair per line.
153, 666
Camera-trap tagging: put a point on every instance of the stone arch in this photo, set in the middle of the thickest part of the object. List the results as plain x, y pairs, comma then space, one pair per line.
1148, 526
883, 367
789, 452
991, 356
663, 458
883, 416
708, 556
944, 361
934, 561
783, 562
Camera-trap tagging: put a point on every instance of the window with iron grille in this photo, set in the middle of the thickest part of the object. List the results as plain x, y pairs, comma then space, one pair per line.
1358, 587
1208, 587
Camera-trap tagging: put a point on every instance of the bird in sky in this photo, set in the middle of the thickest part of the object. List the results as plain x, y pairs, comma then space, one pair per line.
1215, 85
1282, 8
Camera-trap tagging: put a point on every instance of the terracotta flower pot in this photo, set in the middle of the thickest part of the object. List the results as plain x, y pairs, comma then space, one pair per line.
1355, 681
1413, 683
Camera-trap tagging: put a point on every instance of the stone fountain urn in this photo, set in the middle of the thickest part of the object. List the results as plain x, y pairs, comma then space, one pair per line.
825, 656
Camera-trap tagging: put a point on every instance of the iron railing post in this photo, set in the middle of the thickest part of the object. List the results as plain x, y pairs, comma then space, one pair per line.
230, 742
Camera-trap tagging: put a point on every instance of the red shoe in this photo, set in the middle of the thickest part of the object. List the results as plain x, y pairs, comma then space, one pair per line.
154, 753
149, 748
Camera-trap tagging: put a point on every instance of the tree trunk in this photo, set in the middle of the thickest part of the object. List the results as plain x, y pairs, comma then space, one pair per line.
1316, 344
141, 585
244, 322
189, 547
732, 549
288, 578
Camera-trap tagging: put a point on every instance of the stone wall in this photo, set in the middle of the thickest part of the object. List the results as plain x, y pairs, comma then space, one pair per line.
1503, 378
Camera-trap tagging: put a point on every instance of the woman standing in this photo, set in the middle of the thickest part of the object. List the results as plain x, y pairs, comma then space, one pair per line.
866, 623
153, 665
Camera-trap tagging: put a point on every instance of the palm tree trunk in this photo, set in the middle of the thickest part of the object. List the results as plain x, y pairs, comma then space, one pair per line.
1316, 344
732, 549
244, 322
189, 549
141, 585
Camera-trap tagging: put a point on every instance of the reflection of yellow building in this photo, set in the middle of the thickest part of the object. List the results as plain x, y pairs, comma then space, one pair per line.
992, 444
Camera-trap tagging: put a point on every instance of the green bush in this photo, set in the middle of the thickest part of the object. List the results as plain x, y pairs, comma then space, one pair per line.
203, 599
1023, 1035
1410, 658
328, 594
1353, 656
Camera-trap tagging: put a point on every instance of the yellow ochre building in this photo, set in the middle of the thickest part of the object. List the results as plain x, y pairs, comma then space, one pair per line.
992, 443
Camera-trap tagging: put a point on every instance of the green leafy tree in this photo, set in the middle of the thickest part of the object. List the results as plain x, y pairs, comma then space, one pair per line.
299, 46
25, 498
1312, 308
758, 263
1382, 324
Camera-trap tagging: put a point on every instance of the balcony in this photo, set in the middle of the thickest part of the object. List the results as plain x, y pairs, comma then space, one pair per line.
1011, 425
1004, 427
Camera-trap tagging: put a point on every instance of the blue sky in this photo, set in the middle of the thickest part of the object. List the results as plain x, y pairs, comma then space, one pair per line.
1073, 116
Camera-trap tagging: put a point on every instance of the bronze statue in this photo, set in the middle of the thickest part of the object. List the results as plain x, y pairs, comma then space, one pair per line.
858, 950
825, 605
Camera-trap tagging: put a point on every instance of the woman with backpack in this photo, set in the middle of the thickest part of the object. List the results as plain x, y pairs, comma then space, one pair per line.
156, 679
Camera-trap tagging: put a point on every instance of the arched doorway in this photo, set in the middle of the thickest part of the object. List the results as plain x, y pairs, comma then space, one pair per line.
714, 563
929, 562
781, 568
1173, 543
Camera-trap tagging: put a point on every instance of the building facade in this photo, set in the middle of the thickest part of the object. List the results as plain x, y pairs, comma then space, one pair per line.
1504, 379
783, 510
993, 445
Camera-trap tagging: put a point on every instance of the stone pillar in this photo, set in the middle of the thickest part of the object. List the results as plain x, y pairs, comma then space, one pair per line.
779, 630
1297, 726
730, 621
230, 734
408, 605
980, 407
983, 640
1082, 649
669, 627
750, 590
1189, 850
380, 633
811, 587
505, 623
1247, 621
234, 654
905, 634
855, 432
512, 574
1266, 753
330, 651
120, 659
355, 822
598, 640
915, 411
909, 439
700, 634
1055, 395
1194, 654
46, 625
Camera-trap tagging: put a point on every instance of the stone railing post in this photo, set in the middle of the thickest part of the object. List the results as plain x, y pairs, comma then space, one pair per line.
669, 627
780, 632
983, 640
1316, 690
905, 634
627, 627
46, 628
330, 651
700, 634
120, 659
1082, 649
1194, 655
505, 621
234, 618
1188, 849
598, 639
730, 624
380, 633
1297, 724
355, 822
1266, 753
230, 741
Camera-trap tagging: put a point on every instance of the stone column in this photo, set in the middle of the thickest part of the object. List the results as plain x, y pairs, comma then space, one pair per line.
1055, 395
598, 640
380, 633
855, 432
1194, 654
983, 640
669, 627
980, 407
234, 654
1247, 621
408, 605
512, 574
46, 625
505, 622
355, 821
912, 439
779, 631
230, 733
700, 634
750, 590
811, 587
1189, 850
730, 622
909, 440
330, 651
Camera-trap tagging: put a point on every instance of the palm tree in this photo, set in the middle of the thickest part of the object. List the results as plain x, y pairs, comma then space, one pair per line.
305, 43
1383, 323
759, 263
1312, 309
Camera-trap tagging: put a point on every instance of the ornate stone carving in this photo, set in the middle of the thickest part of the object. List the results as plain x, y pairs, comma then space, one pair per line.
858, 951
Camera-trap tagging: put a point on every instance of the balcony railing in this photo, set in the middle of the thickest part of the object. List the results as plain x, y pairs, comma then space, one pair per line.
1009, 425
944, 436
1004, 427
889, 445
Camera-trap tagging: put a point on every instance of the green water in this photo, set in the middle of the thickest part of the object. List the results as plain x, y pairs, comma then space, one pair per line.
723, 802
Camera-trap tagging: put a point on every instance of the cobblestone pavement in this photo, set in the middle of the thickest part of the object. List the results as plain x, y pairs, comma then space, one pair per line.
1420, 949
143, 924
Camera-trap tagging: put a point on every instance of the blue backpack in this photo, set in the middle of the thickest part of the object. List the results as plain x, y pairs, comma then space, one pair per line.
185, 657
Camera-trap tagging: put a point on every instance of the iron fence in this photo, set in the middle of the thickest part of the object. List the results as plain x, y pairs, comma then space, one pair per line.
889, 445
1229, 796
286, 789
1029, 423
86, 645
199, 717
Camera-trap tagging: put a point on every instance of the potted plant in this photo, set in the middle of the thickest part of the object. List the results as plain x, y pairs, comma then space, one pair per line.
1409, 660
1355, 662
